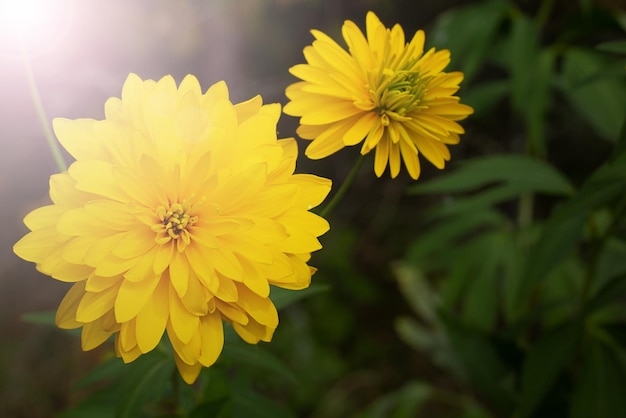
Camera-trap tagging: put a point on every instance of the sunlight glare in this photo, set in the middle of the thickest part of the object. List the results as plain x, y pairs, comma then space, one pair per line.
33, 24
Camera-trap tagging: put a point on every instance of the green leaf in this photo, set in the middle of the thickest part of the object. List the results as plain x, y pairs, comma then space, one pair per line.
598, 98
610, 263
249, 404
100, 404
615, 47
405, 402
145, 382
522, 173
480, 300
239, 353
283, 297
209, 409
620, 146
524, 50
546, 359
615, 290
483, 97
559, 238
599, 391
426, 250
539, 100
416, 290
562, 233
468, 33
109, 369
40, 318
481, 361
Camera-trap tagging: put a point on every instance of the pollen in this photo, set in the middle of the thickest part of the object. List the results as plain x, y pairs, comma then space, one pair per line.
175, 220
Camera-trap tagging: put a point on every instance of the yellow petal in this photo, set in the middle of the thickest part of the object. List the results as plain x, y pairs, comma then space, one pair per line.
179, 274
360, 128
93, 305
410, 159
132, 297
212, 336
152, 319
184, 323
77, 136
93, 335
253, 332
189, 372
382, 156
261, 309
66, 313
394, 160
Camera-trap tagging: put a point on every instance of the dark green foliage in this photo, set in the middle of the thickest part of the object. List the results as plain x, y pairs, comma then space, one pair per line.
524, 268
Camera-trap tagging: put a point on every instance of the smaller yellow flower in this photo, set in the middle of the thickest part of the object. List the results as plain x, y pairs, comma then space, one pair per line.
383, 92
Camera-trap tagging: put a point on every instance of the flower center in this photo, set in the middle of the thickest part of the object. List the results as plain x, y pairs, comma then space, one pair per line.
398, 94
175, 221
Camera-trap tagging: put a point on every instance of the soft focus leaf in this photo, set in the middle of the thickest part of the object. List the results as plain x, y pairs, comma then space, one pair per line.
209, 409
432, 341
484, 96
562, 232
481, 297
610, 264
467, 32
240, 354
523, 173
100, 404
483, 366
600, 100
539, 101
599, 390
615, 290
248, 404
546, 359
107, 370
559, 238
145, 382
40, 318
405, 402
443, 236
620, 147
418, 293
283, 297
616, 47
523, 50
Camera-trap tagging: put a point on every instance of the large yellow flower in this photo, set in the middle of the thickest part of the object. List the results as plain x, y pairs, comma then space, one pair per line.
179, 212
383, 92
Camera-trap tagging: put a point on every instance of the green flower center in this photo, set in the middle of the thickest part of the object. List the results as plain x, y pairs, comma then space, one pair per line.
398, 93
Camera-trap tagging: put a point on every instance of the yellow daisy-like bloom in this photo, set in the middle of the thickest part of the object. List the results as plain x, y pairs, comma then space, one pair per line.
180, 211
383, 92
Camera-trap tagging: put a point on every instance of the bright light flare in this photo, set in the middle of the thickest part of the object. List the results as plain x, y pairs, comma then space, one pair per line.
32, 24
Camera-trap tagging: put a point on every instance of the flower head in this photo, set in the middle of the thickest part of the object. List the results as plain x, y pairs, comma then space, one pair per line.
180, 211
383, 92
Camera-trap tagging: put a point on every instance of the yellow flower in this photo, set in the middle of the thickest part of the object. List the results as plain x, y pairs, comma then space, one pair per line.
383, 92
178, 213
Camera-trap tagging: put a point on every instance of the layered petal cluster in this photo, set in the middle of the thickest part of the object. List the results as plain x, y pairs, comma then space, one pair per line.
386, 93
180, 211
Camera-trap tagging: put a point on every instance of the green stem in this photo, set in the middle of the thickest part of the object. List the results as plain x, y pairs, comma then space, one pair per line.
41, 114
544, 13
596, 250
344, 187
525, 209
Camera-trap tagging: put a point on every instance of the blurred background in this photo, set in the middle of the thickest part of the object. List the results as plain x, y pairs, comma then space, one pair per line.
376, 339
